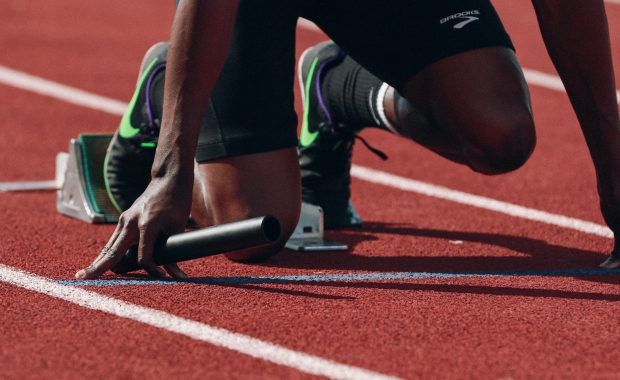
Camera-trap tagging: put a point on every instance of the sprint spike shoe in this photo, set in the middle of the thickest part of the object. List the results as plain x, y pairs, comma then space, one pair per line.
130, 155
325, 146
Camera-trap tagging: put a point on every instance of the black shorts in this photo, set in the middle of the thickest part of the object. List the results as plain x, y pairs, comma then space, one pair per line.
251, 108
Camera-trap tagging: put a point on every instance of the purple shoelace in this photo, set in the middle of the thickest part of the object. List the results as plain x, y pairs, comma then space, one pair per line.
319, 92
149, 84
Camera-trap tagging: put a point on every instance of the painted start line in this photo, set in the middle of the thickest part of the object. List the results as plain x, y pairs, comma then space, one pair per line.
344, 277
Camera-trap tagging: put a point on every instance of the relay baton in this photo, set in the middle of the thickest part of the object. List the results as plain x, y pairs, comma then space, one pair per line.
223, 238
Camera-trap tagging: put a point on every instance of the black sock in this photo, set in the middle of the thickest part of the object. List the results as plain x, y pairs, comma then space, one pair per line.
351, 93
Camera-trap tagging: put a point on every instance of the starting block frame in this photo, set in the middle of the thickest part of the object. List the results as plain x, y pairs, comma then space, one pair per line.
82, 195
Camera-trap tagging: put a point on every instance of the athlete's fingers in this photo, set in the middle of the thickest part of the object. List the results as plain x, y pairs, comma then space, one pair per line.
108, 248
174, 271
110, 243
110, 258
146, 247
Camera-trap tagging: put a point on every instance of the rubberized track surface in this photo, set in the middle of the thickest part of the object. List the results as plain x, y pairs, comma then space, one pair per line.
431, 288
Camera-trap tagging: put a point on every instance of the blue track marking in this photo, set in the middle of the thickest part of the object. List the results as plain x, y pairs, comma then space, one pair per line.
342, 277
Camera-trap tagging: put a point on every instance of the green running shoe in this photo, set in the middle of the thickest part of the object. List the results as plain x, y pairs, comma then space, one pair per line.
325, 146
130, 155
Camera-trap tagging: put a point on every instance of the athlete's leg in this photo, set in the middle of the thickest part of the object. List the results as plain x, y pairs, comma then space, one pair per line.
472, 108
246, 157
247, 163
236, 188
463, 93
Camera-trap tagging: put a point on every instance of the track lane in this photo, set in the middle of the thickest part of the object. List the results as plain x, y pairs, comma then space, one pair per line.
33, 129
161, 320
422, 318
77, 348
520, 21
411, 244
558, 312
83, 43
414, 252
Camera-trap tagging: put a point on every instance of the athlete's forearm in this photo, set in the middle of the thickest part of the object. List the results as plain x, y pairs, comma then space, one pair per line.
577, 37
199, 43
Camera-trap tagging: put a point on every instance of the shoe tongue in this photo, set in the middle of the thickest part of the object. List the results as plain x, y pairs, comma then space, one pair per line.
156, 95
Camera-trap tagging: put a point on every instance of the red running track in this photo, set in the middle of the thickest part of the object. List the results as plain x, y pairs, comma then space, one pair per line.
474, 327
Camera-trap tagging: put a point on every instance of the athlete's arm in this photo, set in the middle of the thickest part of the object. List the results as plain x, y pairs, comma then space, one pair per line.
201, 35
576, 34
198, 47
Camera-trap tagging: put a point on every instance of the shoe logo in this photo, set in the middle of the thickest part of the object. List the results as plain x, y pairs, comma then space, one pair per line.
467, 17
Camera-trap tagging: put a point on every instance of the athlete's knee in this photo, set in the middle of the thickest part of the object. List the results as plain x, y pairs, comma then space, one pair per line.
506, 148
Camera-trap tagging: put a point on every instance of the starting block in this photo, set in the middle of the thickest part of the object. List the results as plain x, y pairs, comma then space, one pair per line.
81, 194
81, 190
308, 235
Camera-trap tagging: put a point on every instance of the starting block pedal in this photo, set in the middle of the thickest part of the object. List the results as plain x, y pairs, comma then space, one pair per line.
82, 194
308, 235
79, 173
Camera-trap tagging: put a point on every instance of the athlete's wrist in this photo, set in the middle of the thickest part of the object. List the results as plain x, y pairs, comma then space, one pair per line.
173, 161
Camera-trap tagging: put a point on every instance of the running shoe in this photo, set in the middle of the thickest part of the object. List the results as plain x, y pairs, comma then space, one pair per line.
325, 145
130, 155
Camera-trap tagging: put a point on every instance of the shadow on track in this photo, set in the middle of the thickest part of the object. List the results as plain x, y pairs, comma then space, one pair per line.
533, 257
530, 254
477, 289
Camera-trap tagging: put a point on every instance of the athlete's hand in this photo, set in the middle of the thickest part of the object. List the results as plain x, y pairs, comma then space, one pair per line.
163, 209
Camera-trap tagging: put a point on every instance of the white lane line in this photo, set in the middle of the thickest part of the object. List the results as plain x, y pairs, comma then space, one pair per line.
533, 77
550, 81
244, 344
407, 184
59, 91
28, 186
345, 277
386, 179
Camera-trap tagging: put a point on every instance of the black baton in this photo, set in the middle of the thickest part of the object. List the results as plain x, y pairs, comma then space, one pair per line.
228, 237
